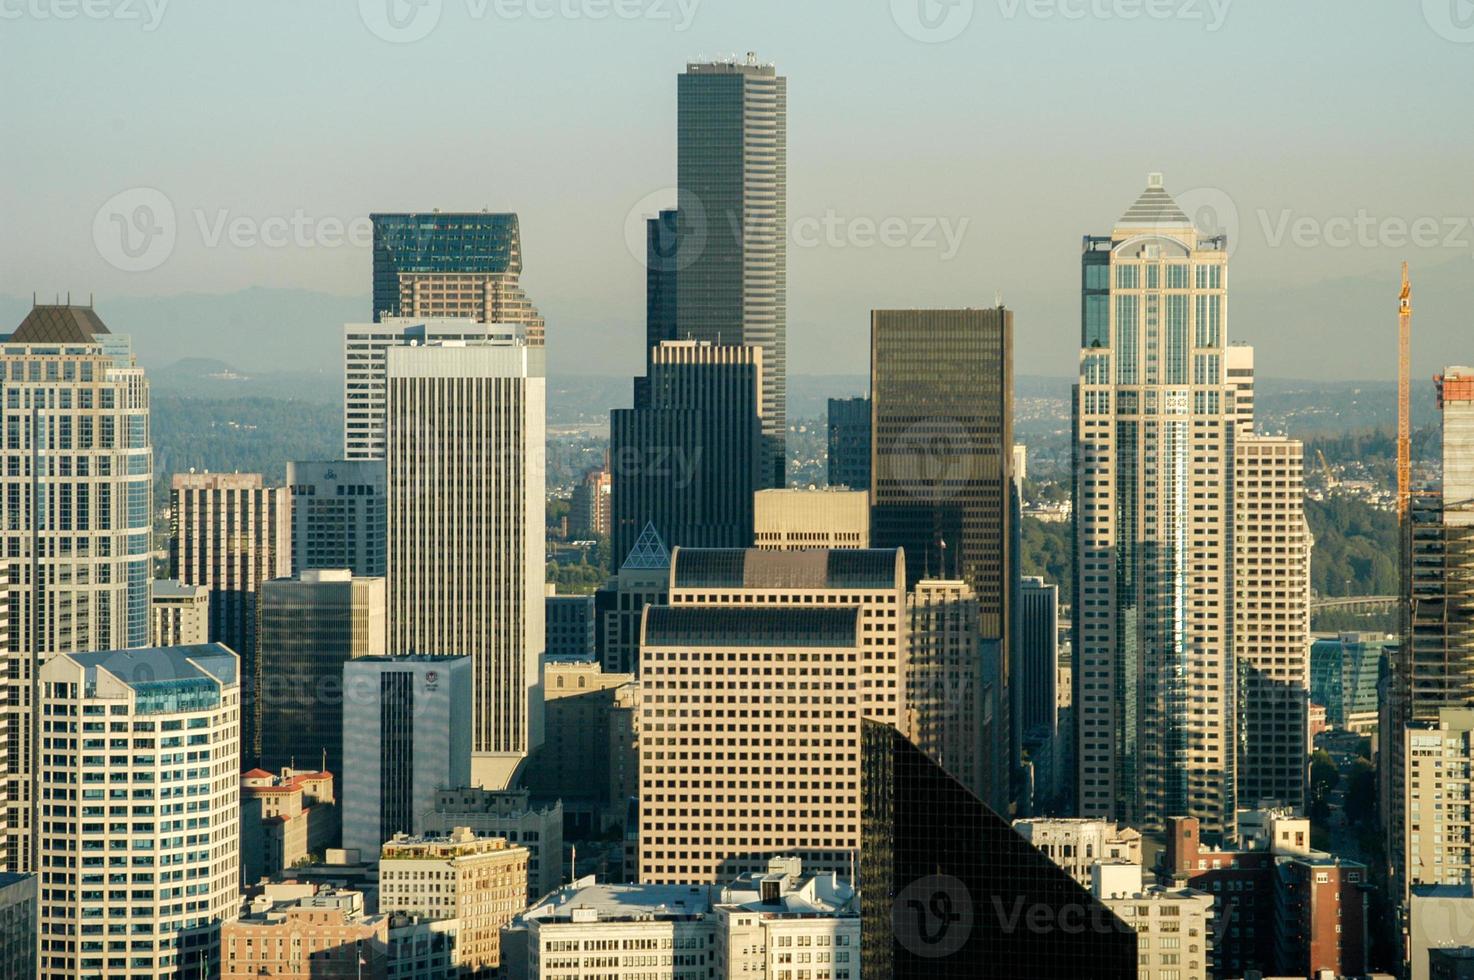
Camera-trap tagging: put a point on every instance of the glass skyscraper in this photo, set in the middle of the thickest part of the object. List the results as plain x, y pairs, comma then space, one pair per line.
731, 283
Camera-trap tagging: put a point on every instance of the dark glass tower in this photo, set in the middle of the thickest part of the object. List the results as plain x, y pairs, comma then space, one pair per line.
661, 266
950, 890
731, 224
688, 459
849, 443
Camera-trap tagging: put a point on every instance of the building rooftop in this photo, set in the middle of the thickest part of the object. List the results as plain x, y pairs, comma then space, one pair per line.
753, 568
1155, 208
60, 323
158, 665
649, 551
587, 900
728, 626
172, 588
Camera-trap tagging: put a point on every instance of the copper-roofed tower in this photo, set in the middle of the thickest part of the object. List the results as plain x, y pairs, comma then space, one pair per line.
77, 529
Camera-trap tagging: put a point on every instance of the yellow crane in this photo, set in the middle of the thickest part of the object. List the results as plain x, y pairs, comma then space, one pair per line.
1325, 468
1404, 400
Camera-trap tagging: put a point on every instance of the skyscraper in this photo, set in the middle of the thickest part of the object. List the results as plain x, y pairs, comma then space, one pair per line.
310, 626
452, 264
849, 443
231, 532
1271, 629
338, 515
366, 363
172, 872
690, 460
77, 485
1039, 653
465, 440
661, 269
1154, 428
732, 225
949, 693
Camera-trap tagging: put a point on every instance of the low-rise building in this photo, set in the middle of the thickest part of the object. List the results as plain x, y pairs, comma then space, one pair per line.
481, 881
774, 924
1174, 926
1077, 844
286, 819
510, 815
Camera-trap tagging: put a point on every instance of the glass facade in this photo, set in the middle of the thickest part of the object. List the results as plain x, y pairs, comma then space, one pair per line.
950, 890
440, 243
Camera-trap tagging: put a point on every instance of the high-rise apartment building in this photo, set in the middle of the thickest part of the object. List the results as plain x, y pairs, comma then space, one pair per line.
406, 735
872, 580
589, 510
801, 520
75, 530
762, 764
1155, 418
731, 259
949, 694
310, 626
180, 614
690, 459
849, 443
339, 515
1271, 628
482, 881
465, 443
139, 815
450, 264
1435, 796
231, 532
366, 367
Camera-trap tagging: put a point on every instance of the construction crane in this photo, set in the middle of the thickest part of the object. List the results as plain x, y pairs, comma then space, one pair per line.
1326, 469
1404, 400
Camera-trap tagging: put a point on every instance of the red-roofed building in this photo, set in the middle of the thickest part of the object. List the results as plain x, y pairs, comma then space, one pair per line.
284, 819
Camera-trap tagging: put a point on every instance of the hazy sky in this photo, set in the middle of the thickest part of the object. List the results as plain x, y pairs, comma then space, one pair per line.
1326, 135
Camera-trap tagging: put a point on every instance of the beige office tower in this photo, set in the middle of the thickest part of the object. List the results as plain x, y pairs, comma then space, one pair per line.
465, 440
76, 496
874, 580
796, 520
947, 691
231, 532
1239, 364
1435, 796
180, 614
1271, 629
749, 739
1154, 426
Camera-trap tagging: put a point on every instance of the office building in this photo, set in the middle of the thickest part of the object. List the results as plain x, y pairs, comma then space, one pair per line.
406, 735
339, 515
872, 580
643, 580
759, 925
1173, 926
569, 625
466, 534
366, 366
798, 520
731, 224
1344, 673
73, 391
309, 627
849, 443
1271, 610
689, 459
181, 698
446, 264
482, 881
589, 760
324, 934
230, 532
287, 818
590, 509
662, 265
180, 614
944, 880
792, 682
1076, 844
1038, 631
950, 696
1154, 427
512, 816
18, 925
1438, 921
